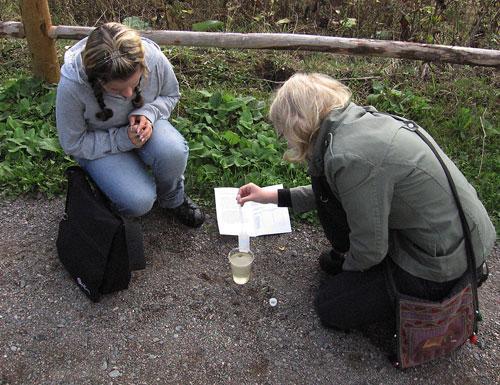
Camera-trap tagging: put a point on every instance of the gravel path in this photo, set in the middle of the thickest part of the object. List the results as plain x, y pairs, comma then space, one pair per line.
183, 321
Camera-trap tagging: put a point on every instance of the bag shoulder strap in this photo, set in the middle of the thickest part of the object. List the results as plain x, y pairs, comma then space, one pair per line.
471, 258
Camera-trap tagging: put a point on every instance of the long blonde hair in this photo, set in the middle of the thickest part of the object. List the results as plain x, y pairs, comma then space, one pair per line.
113, 52
299, 107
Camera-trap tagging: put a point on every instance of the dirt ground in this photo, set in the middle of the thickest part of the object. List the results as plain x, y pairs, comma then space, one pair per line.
183, 320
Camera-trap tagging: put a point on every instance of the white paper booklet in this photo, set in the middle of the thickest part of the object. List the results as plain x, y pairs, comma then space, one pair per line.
258, 218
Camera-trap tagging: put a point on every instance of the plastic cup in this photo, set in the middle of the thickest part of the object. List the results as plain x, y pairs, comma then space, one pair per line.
241, 265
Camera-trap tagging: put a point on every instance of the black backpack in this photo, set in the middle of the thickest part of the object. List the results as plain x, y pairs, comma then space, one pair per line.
97, 246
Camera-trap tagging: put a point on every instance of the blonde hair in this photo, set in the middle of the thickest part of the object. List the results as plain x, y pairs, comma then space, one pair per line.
113, 52
299, 107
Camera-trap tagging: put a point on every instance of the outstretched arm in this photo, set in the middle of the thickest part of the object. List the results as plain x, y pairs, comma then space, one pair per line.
253, 193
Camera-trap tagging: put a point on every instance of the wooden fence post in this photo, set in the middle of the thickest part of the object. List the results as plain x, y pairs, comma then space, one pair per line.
37, 24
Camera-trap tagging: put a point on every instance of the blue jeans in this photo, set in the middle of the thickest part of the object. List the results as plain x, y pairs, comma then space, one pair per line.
127, 182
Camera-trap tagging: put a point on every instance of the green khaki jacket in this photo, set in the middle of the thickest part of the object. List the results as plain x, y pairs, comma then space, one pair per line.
396, 196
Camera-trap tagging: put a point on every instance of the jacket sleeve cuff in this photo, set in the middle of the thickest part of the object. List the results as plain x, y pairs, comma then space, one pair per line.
302, 199
284, 198
147, 111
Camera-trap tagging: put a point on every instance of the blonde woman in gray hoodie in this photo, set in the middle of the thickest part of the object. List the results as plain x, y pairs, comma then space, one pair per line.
114, 99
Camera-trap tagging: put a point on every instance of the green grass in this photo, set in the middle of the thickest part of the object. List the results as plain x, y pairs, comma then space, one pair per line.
222, 113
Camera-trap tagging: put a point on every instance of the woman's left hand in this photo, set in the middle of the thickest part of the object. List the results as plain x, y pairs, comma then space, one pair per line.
142, 127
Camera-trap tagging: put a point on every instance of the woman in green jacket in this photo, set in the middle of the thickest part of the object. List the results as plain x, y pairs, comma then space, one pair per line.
380, 193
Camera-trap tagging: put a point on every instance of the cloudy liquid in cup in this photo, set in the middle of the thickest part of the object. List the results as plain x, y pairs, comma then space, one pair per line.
241, 265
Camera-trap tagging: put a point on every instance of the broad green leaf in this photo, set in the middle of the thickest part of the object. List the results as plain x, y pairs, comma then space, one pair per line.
209, 142
210, 169
215, 100
23, 106
227, 97
208, 118
490, 129
231, 137
227, 161
246, 117
50, 144
136, 22
283, 21
205, 93
241, 162
232, 105
14, 124
4, 106
348, 23
196, 147
208, 25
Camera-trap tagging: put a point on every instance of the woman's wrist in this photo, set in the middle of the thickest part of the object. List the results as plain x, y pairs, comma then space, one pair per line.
272, 196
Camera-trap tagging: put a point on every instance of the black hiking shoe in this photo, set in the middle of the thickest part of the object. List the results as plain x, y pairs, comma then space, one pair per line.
331, 262
188, 213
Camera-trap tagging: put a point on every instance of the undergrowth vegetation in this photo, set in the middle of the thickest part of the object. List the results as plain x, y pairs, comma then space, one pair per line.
31, 159
223, 110
231, 143
456, 22
226, 93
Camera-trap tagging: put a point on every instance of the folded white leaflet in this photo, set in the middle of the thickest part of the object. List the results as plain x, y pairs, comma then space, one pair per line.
258, 218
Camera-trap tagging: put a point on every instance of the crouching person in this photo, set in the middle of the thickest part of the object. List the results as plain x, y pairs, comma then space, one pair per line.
114, 99
381, 195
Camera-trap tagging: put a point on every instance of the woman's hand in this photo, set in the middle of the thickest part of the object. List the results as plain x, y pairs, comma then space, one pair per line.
254, 193
140, 130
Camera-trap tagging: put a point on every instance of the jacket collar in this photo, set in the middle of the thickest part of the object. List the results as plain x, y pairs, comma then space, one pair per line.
328, 126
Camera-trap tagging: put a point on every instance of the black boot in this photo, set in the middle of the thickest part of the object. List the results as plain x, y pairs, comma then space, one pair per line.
189, 213
331, 262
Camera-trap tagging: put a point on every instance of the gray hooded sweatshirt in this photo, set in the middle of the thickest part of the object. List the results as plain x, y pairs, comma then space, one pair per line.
81, 134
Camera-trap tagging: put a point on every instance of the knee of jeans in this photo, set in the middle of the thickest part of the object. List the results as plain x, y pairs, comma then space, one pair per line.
175, 157
137, 205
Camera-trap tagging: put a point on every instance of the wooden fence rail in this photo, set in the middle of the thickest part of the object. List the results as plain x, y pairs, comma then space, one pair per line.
282, 41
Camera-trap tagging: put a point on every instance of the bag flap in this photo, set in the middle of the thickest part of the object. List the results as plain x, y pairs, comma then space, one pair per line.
81, 259
87, 209
86, 233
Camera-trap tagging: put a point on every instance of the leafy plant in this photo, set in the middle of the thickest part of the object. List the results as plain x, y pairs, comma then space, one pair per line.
404, 103
136, 22
231, 143
348, 23
208, 25
457, 106
31, 159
